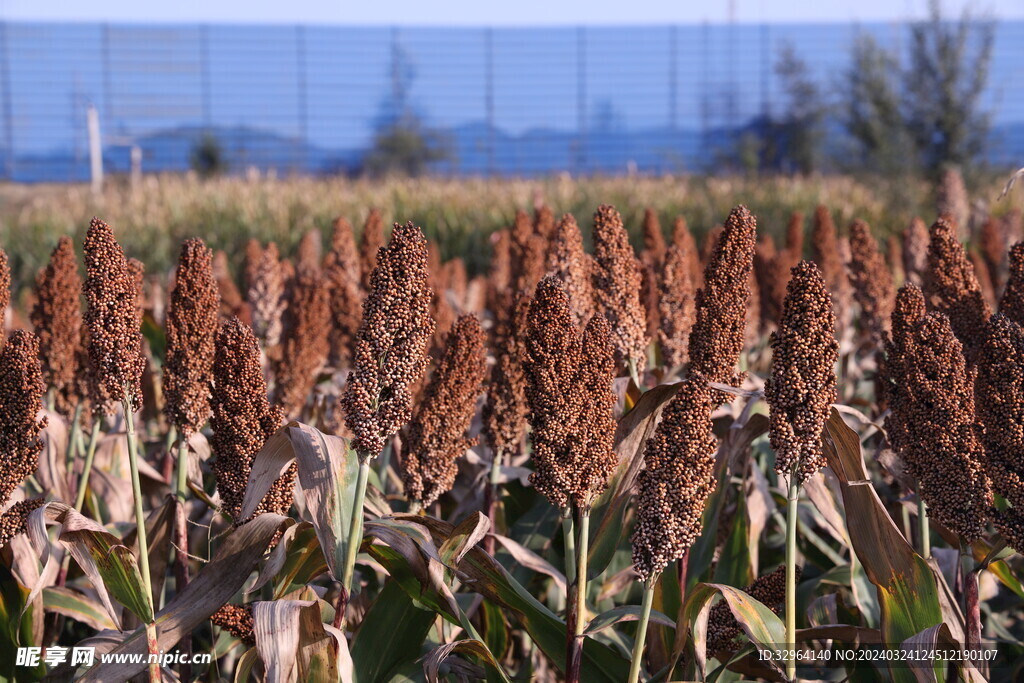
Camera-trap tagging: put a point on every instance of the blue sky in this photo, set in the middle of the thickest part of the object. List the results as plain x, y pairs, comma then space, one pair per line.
477, 13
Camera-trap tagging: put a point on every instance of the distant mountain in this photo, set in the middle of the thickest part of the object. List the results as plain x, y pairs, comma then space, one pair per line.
534, 152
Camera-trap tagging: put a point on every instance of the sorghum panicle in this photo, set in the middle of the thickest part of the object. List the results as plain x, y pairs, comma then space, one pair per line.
305, 346
341, 271
827, 254
192, 316
1012, 303
915, 251
242, 420
723, 629
802, 386
391, 344
266, 296
572, 265
936, 430
113, 317
568, 389
716, 340
617, 283
436, 436
675, 305
57, 320
678, 477
872, 280
21, 401
370, 242
953, 287
504, 413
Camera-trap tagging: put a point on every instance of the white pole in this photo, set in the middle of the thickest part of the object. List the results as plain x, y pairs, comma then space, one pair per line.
136, 166
95, 149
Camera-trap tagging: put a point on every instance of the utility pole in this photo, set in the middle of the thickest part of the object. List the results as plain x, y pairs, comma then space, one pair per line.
92, 118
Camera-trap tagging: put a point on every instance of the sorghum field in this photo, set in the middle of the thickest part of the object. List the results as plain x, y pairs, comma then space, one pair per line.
601, 430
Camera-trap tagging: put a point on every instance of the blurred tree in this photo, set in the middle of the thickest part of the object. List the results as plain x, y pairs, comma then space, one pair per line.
402, 144
799, 132
207, 157
929, 114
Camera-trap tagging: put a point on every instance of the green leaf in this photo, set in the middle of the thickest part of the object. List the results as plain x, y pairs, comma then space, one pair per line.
327, 470
74, 605
762, 626
610, 509
392, 634
618, 615
16, 617
733, 567
432, 662
908, 594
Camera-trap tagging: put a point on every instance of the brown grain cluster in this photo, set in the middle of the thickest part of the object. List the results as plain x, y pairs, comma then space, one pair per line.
5, 290
802, 386
915, 251
231, 300
266, 295
873, 287
114, 321
391, 344
951, 198
192, 315
504, 413
723, 629
1012, 303
993, 242
370, 242
436, 436
675, 305
304, 347
341, 271
952, 286
768, 270
21, 396
617, 282
716, 340
236, 620
827, 248
654, 239
907, 314
678, 477
57, 320
573, 266
242, 421
1000, 404
568, 388
309, 253
682, 237
15, 520
933, 424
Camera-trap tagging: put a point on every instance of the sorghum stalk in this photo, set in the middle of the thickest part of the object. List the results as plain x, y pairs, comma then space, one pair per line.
923, 529
140, 525
641, 629
90, 453
791, 525
578, 610
570, 546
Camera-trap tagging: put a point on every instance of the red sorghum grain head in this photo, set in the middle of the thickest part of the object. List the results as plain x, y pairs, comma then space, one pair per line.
654, 239
305, 345
544, 221
936, 431
827, 254
242, 421
766, 260
5, 290
1012, 303
795, 237
915, 251
370, 243
675, 305
436, 436
266, 296
391, 345
231, 300
723, 629
572, 265
952, 285
341, 271
999, 389
981, 271
21, 396
871, 279
236, 620
504, 413
802, 386
191, 332
114, 321
682, 236
908, 312
568, 389
309, 253
15, 520
993, 243
57, 320
678, 477
716, 340
617, 282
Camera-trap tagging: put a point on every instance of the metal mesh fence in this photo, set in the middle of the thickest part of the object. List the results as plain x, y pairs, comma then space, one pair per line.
311, 99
